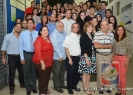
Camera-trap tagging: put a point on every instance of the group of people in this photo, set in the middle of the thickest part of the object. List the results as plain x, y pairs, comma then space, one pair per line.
70, 38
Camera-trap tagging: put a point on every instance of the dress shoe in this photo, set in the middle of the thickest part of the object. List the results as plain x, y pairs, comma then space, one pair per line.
11, 90
34, 91
64, 87
108, 91
60, 90
70, 91
22, 86
117, 93
28, 92
76, 89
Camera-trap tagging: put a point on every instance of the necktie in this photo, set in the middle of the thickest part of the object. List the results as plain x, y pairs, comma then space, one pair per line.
31, 43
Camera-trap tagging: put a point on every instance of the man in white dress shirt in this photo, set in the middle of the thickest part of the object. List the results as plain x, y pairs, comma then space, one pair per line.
72, 48
68, 22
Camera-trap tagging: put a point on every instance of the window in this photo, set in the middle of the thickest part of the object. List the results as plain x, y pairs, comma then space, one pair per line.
118, 8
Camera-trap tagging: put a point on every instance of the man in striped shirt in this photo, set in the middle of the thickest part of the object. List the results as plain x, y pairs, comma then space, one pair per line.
103, 42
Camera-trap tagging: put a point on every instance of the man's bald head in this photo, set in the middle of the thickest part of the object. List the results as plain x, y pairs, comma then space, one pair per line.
60, 26
104, 26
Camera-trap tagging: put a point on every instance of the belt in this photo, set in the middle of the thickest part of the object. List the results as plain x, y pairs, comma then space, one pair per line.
119, 55
14, 54
75, 56
29, 52
103, 54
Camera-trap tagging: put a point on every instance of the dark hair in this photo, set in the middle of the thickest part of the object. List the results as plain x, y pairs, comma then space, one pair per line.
39, 33
73, 14
99, 15
50, 8
84, 4
37, 4
108, 10
104, 2
32, 2
42, 19
18, 24
28, 14
115, 21
61, 8
79, 6
96, 27
18, 19
33, 11
92, 6
116, 35
30, 20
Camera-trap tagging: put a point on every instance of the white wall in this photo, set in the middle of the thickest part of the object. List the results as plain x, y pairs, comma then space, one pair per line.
78, 1
122, 4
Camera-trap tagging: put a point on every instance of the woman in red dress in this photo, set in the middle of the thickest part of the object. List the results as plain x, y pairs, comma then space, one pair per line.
43, 59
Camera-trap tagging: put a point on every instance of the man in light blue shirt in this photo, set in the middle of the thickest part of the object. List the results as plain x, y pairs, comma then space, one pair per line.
10, 46
57, 38
52, 24
27, 39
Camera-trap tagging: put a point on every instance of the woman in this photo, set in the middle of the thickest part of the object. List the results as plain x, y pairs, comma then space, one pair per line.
28, 16
87, 63
35, 17
74, 16
94, 21
99, 18
113, 20
59, 17
54, 12
43, 12
80, 21
122, 51
111, 28
48, 10
62, 12
43, 58
44, 21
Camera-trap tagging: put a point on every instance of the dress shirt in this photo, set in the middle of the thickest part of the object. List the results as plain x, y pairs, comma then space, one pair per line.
102, 12
24, 44
11, 44
72, 43
57, 40
51, 27
67, 25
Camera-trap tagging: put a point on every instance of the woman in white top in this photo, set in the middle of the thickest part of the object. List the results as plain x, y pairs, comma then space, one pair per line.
35, 17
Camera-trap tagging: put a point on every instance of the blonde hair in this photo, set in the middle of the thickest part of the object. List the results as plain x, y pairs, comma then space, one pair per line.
87, 24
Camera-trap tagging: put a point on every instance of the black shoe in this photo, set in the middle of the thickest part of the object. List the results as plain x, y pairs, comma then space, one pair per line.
108, 91
70, 91
28, 92
60, 90
64, 87
100, 92
34, 91
117, 93
76, 89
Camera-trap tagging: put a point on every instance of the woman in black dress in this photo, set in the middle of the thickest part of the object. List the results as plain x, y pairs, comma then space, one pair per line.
87, 63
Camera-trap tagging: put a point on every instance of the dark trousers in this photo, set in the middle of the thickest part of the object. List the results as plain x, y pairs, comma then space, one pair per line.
43, 78
14, 62
73, 76
58, 73
29, 72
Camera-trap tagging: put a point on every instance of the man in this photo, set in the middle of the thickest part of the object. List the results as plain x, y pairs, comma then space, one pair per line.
73, 51
30, 9
103, 5
57, 38
84, 8
103, 42
38, 7
108, 13
68, 22
52, 24
10, 46
91, 13
26, 48
24, 25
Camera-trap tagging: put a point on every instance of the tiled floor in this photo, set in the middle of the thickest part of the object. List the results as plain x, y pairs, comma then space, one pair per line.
20, 91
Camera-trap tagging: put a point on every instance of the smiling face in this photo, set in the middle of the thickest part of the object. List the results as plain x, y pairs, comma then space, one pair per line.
82, 15
18, 28
44, 32
120, 31
89, 29
94, 21
112, 20
111, 28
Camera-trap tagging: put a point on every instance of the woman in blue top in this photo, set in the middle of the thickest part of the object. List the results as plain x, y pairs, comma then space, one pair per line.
44, 21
